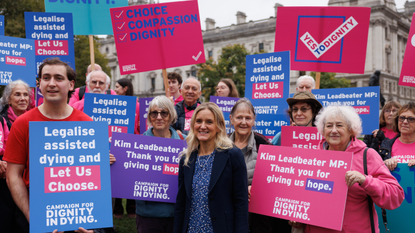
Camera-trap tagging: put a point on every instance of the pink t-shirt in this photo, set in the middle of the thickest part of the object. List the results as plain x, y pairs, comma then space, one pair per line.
388, 133
403, 152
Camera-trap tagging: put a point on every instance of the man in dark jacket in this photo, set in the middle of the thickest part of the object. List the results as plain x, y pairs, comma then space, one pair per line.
373, 82
191, 91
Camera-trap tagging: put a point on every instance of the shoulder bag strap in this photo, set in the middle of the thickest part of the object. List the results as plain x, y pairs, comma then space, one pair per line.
370, 202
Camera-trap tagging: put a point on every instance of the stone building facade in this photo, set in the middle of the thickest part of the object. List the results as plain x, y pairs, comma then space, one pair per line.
388, 33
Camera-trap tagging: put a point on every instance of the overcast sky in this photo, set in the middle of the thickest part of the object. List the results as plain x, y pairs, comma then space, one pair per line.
224, 11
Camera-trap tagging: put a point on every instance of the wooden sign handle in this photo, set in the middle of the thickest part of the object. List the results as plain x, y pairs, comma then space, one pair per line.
318, 80
91, 51
166, 83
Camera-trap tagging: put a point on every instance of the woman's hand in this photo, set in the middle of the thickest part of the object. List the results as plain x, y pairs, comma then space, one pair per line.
3, 168
249, 193
411, 162
391, 163
296, 224
112, 159
83, 230
375, 132
353, 177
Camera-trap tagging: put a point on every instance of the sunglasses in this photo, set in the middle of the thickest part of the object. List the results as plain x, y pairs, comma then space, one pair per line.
304, 109
163, 114
409, 119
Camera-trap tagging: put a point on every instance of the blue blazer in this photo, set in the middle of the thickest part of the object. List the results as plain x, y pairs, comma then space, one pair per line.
228, 193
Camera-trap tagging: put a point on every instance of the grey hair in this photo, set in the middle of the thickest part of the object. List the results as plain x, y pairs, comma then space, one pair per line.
200, 85
165, 103
5, 99
313, 83
347, 113
88, 77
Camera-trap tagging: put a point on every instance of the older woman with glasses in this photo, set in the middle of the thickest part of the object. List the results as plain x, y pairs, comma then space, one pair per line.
303, 110
340, 126
386, 118
158, 217
401, 148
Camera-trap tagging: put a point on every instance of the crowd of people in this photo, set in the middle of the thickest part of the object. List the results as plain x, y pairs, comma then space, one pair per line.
216, 171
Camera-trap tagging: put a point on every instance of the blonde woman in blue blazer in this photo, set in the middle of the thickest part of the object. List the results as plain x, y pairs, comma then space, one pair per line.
213, 194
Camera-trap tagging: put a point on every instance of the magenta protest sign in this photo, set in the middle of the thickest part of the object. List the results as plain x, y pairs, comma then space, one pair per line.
407, 77
324, 39
146, 167
165, 35
302, 185
300, 137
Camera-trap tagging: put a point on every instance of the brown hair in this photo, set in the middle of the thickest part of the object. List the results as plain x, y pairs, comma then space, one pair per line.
233, 92
407, 107
70, 73
174, 75
388, 105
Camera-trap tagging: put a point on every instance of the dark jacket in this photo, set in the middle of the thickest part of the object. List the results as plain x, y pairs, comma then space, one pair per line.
385, 150
181, 117
374, 142
228, 193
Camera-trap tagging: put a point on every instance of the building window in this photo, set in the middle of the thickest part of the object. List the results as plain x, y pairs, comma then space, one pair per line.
153, 84
107, 50
210, 54
302, 73
193, 71
261, 47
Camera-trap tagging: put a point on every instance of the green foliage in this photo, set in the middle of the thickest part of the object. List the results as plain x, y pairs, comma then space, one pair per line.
328, 80
231, 64
13, 11
82, 58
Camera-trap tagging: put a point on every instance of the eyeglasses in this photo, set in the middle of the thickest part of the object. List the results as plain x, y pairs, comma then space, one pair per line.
391, 111
95, 82
409, 119
221, 87
303, 110
155, 114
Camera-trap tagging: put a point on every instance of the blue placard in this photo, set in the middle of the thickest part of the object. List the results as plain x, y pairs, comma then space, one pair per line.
144, 104
117, 110
267, 85
17, 60
365, 100
53, 35
225, 104
401, 219
1, 25
69, 176
90, 17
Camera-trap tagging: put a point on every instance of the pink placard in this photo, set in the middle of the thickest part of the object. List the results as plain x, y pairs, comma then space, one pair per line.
51, 47
302, 185
300, 137
407, 77
157, 36
324, 39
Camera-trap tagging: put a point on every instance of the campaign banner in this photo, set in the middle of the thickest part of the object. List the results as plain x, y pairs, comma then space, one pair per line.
89, 17
144, 105
300, 137
365, 101
324, 39
168, 33
407, 76
301, 185
53, 35
69, 176
267, 85
17, 60
146, 167
401, 219
117, 110
225, 104
1, 25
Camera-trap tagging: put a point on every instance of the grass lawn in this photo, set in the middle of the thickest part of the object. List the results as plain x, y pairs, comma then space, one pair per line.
125, 224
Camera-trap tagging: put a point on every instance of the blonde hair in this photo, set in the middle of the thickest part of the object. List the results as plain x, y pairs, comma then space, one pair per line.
222, 141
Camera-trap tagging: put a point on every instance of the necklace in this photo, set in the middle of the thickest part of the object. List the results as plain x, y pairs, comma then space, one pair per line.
203, 165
